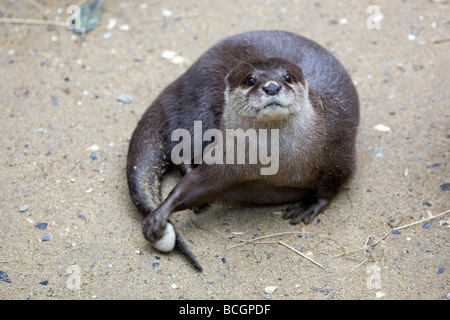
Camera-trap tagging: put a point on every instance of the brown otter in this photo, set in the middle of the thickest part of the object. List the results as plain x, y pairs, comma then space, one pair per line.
256, 80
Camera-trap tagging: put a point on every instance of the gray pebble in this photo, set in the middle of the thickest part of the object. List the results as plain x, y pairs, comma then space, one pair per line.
24, 208
46, 238
125, 98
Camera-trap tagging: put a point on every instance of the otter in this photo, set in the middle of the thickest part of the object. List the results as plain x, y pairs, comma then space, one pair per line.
276, 81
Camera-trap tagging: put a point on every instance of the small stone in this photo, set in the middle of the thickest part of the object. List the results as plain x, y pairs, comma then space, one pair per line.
4, 277
125, 98
441, 270
382, 128
94, 147
94, 155
167, 242
427, 225
270, 289
177, 60
44, 283
24, 208
42, 225
111, 23
46, 238
107, 36
167, 13
55, 101
168, 54
124, 27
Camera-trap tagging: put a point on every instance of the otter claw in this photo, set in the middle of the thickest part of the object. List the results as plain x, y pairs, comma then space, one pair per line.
304, 212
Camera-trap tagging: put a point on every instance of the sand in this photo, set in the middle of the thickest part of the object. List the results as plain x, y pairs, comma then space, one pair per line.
64, 139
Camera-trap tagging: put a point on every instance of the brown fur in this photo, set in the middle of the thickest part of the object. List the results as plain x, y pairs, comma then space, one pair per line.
317, 138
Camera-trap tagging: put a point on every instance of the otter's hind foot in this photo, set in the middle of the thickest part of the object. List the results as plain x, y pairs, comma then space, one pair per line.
305, 211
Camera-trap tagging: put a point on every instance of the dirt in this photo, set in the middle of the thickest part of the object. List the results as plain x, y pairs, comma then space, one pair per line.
64, 139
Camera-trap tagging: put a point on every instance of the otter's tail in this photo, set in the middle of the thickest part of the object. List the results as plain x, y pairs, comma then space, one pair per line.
146, 165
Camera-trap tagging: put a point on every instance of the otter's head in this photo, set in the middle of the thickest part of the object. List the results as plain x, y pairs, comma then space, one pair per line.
266, 90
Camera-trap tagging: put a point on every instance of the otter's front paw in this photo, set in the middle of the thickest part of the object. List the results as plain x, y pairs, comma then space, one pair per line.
154, 225
160, 233
305, 211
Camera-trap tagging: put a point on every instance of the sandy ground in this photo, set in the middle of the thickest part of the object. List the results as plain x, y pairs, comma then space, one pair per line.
58, 102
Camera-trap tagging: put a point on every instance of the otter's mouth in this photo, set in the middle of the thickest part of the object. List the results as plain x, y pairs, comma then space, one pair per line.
273, 110
273, 105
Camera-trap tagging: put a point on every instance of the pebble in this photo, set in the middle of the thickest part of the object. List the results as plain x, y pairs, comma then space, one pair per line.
55, 101
44, 283
4, 277
107, 36
427, 225
124, 27
168, 54
396, 232
270, 289
343, 21
177, 60
445, 187
24, 208
42, 225
167, 13
441, 270
382, 128
94, 155
167, 242
46, 238
111, 23
125, 98
94, 147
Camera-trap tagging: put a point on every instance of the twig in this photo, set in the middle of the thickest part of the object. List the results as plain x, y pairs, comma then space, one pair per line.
33, 21
262, 237
298, 252
421, 221
394, 229
39, 8
441, 41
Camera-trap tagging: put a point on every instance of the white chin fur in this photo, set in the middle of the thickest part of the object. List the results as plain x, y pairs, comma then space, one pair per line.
273, 112
167, 242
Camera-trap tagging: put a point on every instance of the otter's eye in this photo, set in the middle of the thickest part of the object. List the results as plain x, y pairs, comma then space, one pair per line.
250, 81
287, 78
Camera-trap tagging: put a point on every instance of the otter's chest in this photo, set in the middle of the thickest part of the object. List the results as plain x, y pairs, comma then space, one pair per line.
281, 157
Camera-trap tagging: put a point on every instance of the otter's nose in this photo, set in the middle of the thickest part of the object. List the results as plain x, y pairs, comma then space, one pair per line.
272, 89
